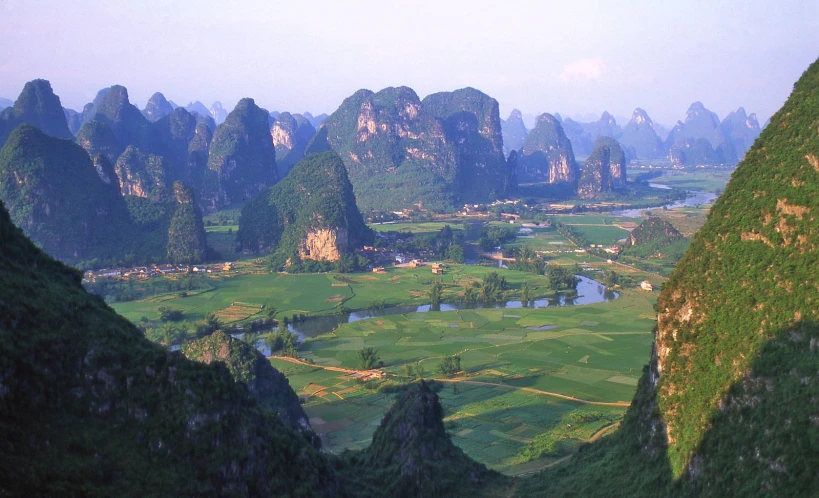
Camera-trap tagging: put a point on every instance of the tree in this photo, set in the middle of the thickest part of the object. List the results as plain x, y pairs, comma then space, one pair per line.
367, 357
169, 315
455, 253
525, 294
419, 370
435, 291
450, 365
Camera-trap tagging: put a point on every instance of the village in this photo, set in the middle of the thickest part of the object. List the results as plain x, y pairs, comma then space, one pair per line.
156, 270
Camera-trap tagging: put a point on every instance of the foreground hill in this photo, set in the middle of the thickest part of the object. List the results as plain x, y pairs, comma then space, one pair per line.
412, 455
311, 214
90, 407
728, 406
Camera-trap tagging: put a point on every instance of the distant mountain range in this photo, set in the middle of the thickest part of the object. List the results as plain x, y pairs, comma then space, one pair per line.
700, 139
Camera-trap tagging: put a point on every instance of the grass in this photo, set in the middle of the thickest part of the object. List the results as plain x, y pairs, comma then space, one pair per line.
316, 294
422, 228
594, 352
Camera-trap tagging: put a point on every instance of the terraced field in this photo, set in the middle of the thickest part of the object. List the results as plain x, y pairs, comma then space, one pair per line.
534, 383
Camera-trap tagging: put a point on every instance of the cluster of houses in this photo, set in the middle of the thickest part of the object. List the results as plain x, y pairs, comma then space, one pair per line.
151, 271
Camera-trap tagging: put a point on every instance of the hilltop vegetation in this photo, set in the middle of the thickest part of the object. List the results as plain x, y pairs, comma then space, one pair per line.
311, 214
726, 407
92, 407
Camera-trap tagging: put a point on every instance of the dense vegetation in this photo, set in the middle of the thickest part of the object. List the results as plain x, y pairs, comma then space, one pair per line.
604, 170
547, 155
54, 193
412, 455
401, 152
242, 158
732, 413
248, 366
92, 407
315, 196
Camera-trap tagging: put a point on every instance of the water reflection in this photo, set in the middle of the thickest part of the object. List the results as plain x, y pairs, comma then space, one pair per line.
588, 292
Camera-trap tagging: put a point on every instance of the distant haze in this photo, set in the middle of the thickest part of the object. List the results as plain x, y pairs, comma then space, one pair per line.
574, 57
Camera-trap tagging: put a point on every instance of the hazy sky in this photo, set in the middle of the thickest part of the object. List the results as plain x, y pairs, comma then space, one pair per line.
568, 56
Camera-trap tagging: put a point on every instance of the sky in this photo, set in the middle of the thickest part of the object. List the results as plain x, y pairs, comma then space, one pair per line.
577, 57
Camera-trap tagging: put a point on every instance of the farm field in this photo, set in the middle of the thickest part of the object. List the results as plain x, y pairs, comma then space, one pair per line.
706, 181
422, 228
313, 294
497, 409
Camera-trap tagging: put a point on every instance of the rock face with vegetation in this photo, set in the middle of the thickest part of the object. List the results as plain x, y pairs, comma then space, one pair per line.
653, 230
412, 455
143, 175
728, 405
401, 152
547, 154
157, 108
112, 108
248, 366
604, 170
186, 234
396, 154
472, 124
242, 158
91, 407
741, 129
699, 140
291, 134
55, 193
640, 136
514, 132
738, 300
311, 214
36, 106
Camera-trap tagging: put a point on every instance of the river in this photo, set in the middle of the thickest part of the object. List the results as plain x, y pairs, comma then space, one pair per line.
588, 292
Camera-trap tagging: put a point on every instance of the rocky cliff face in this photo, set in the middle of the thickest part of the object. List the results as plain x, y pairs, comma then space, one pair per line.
143, 175
604, 170
397, 155
58, 196
472, 124
324, 244
741, 292
291, 134
242, 158
514, 132
157, 108
186, 234
640, 136
247, 365
741, 129
311, 213
37, 106
547, 154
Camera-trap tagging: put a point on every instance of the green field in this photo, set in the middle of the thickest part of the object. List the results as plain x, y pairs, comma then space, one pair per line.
706, 181
499, 404
422, 228
313, 294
